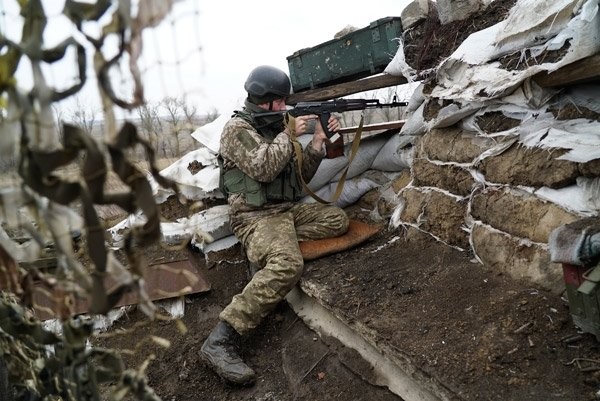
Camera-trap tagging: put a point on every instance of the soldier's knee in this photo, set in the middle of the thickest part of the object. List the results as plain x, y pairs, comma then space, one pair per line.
291, 266
298, 273
296, 265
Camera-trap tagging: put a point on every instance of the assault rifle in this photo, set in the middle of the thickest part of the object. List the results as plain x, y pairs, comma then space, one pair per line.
325, 108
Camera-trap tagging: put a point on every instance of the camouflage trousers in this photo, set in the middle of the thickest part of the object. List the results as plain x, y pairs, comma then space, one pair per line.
271, 243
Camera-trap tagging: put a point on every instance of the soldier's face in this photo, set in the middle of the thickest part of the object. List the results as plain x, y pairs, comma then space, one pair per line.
279, 105
275, 105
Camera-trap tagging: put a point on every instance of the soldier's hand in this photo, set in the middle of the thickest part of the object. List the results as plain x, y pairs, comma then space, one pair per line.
319, 137
334, 124
306, 124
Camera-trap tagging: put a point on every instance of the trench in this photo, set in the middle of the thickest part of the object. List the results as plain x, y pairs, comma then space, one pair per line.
393, 374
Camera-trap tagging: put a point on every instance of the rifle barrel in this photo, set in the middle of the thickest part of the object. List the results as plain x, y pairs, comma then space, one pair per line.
335, 106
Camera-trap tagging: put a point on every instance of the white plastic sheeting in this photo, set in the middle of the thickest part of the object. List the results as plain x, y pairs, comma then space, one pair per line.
580, 136
209, 135
200, 185
529, 18
205, 226
582, 198
472, 72
352, 191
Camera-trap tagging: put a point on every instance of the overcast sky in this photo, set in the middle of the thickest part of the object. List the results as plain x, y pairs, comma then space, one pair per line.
205, 49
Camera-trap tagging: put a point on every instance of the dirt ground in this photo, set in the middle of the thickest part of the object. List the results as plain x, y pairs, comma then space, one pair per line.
481, 334
291, 361
478, 334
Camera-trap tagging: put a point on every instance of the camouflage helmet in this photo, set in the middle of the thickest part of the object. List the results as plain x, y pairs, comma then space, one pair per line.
267, 82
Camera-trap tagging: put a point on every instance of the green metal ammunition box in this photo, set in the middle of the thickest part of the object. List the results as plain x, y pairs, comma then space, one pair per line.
355, 55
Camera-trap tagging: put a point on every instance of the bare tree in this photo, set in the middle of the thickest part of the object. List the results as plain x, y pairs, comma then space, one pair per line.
175, 118
151, 125
83, 116
182, 117
190, 113
211, 115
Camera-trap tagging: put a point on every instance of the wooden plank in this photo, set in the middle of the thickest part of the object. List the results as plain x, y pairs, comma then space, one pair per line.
161, 281
374, 127
346, 88
586, 70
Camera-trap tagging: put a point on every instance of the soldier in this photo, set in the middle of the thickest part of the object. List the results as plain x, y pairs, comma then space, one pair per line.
259, 176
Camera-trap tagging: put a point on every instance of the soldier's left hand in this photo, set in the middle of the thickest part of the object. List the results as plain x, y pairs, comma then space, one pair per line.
306, 124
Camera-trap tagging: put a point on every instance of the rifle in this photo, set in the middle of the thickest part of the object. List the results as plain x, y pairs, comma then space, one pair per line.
325, 108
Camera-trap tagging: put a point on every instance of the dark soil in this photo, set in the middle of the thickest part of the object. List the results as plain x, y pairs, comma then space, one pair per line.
572, 111
429, 42
433, 107
496, 122
523, 60
480, 334
291, 361
483, 335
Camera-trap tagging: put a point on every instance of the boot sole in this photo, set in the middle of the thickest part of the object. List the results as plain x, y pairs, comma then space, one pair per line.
222, 374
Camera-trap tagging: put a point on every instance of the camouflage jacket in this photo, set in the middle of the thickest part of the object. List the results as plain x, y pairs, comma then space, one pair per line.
260, 149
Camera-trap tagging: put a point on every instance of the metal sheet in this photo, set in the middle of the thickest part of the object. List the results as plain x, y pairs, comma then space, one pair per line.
162, 281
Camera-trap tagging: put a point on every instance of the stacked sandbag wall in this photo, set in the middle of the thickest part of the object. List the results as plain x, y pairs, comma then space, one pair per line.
501, 160
489, 193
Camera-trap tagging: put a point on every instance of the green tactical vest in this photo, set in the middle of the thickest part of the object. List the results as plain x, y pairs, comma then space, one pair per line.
284, 188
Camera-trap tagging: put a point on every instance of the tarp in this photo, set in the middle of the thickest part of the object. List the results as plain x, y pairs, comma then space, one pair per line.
473, 71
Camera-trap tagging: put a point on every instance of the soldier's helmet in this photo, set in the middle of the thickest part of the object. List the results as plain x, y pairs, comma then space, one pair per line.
266, 81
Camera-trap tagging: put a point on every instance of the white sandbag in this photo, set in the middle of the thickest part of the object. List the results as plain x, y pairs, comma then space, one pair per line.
582, 198
398, 66
363, 159
331, 169
457, 10
353, 190
195, 186
116, 231
326, 171
206, 226
395, 155
580, 136
453, 113
216, 246
209, 134
214, 221
529, 18
415, 124
413, 13
448, 115
416, 99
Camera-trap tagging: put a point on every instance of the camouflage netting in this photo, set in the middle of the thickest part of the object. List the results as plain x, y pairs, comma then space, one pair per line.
500, 161
42, 207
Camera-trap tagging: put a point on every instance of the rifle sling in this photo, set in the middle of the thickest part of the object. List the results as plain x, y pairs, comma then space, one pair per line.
342, 180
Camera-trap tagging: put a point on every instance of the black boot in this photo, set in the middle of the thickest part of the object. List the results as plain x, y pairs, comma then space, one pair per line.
220, 352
